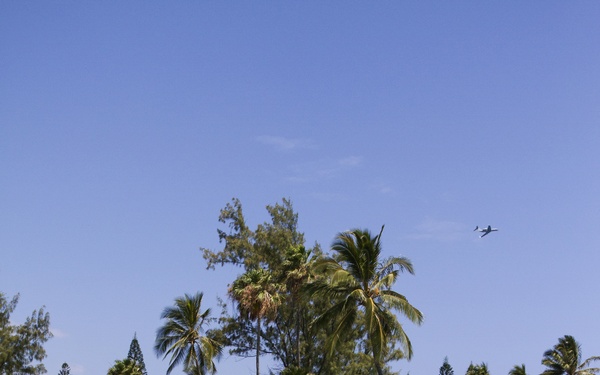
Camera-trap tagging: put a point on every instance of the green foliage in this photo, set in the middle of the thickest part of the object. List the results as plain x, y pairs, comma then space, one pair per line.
65, 369
125, 367
566, 359
358, 281
446, 369
20, 345
181, 338
135, 354
518, 370
481, 369
261, 248
288, 336
257, 296
277, 247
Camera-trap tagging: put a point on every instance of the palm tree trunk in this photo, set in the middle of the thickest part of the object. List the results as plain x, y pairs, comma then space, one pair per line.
376, 361
297, 335
257, 346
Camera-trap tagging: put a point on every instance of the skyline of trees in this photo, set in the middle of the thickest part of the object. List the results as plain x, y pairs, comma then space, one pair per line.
311, 312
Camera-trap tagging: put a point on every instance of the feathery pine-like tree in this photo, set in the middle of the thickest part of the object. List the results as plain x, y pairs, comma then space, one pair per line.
20, 345
446, 369
135, 354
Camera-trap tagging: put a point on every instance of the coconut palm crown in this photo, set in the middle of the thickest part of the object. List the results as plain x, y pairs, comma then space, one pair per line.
518, 370
181, 337
357, 280
565, 359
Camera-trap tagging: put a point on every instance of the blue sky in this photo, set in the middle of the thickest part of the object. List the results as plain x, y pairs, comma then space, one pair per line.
126, 126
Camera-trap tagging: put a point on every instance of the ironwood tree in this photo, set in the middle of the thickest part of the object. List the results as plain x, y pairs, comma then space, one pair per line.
135, 354
22, 346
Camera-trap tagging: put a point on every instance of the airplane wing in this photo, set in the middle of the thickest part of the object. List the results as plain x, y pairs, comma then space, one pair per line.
485, 234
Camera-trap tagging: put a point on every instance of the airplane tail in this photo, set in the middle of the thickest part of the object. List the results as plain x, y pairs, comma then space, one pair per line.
477, 227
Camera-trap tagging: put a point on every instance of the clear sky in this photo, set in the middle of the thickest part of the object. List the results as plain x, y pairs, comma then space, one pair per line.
126, 126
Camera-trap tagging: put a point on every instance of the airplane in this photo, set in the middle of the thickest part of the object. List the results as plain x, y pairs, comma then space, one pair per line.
485, 231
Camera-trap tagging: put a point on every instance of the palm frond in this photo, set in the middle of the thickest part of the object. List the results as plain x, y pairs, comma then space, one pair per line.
179, 337
400, 303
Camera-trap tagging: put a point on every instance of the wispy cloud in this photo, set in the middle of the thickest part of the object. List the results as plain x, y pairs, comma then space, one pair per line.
350, 161
439, 230
57, 333
77, 369
323, 169
383, 189
285, 144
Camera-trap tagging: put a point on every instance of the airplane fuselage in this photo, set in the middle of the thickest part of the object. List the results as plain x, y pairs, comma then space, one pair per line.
485, 231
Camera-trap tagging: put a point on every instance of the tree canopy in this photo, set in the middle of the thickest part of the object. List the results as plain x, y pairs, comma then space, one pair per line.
357, 280
289, 336
446, 369
125, 366
21, 346
181, 337
565, 358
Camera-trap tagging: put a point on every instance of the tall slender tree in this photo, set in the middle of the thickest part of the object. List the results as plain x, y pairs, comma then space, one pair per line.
296, 273
446, 369
357, 280
135, 354
181, 337
566, 359
257, 295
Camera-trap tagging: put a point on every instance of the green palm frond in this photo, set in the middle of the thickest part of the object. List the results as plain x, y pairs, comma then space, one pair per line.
565, 359
518, 370
180, 336
399, 302
357, 279
344, 324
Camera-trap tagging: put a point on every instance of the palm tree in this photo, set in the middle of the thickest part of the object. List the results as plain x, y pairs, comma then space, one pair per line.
356, 279
181, 337
565, 359
481, 369
296, 269
518, 370
258, 297
125, 367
